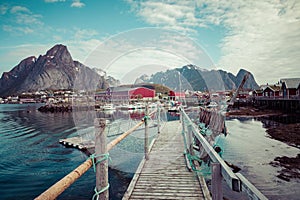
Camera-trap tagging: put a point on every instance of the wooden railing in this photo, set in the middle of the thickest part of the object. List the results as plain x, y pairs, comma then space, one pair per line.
102, 168
220, 170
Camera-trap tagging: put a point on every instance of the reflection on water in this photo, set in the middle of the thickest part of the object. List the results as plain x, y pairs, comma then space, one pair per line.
32, 159
248, 146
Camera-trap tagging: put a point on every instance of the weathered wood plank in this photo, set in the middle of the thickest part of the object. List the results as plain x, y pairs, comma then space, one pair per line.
165, 174
160, 197
182, 195
182, 187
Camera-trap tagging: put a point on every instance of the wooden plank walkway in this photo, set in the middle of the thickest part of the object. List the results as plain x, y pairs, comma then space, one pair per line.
165, 175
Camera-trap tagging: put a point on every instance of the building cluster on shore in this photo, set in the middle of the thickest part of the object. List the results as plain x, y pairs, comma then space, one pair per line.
288, 88
60, 96
284, 89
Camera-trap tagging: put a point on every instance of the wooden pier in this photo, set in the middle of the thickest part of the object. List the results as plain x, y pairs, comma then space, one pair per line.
283, 104
165, 171
77, 142
165, 175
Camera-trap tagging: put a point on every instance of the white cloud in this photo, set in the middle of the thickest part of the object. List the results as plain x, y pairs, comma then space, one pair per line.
20, 20
84, 33
177, 15
53, 1
17, 9
260, 36
77, 4
15, 29
264, 37
30, 19
135, 50
138, 62
3, 9
80, 49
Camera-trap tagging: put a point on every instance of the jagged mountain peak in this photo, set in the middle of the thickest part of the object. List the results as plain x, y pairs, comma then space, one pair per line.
250, 83
53, 71
56, 49
21, 68
191, 67
196, 78
23, 65
28, 60
60, 52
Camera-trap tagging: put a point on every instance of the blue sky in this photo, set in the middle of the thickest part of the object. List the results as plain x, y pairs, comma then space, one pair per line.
260, 36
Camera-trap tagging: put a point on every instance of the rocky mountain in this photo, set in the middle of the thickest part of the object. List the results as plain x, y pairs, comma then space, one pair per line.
53, 71
192, 77
111, 80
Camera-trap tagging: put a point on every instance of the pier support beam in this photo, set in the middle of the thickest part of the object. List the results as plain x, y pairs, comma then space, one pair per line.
158, 118
146, 145
190, 139
216, 182
101, 167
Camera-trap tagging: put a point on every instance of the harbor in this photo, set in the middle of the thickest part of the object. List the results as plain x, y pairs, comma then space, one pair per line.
55, 124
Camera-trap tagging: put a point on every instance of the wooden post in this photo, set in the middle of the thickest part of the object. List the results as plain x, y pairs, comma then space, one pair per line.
60, 186
182, 121
102, 167
190, 139
158, 118
146, 147
216, 182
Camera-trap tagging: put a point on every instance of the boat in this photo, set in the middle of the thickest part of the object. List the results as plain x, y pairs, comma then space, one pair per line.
212, 105
140, 105
126, 107
152, 105
108, 107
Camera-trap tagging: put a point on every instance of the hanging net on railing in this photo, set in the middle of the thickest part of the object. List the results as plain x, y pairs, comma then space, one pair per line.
211, 125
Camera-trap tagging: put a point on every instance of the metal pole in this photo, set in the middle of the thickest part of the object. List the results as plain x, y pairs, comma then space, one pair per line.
102, 167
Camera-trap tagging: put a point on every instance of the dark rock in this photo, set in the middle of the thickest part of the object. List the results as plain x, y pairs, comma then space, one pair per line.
54, 71
192, 77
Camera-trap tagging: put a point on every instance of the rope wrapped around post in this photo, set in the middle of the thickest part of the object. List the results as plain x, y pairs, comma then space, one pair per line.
94, 157
100, 161
60, 186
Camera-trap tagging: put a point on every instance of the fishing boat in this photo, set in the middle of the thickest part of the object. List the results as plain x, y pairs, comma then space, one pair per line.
108, 107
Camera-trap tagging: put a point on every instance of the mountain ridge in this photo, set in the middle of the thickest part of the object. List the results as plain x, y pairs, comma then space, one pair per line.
192, 77
53, 71
57, 70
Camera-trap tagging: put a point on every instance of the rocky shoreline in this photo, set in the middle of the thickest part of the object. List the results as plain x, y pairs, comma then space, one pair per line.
251, 112
55, 108
290, 167
279, 126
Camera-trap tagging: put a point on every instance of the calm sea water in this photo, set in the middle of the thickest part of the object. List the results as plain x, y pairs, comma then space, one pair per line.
248, 146
32, 159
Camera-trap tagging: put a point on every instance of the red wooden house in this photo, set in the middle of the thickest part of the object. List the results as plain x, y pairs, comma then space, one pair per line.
176, 95
289, 87
126, 93
257, 93
272, 91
